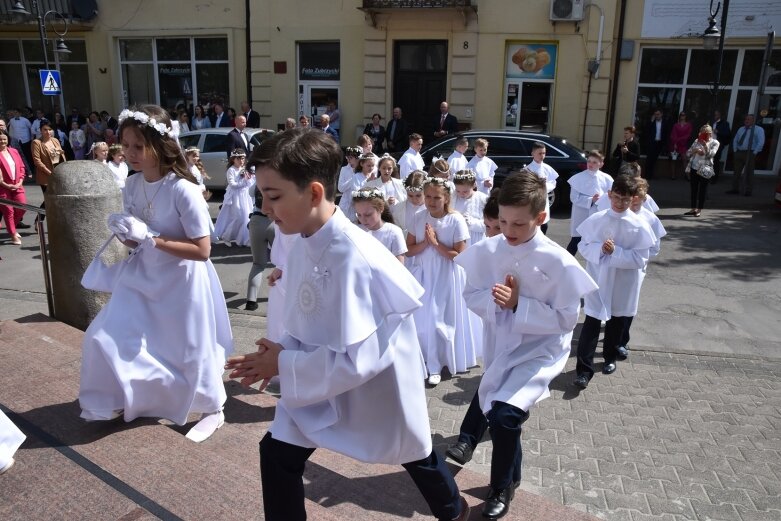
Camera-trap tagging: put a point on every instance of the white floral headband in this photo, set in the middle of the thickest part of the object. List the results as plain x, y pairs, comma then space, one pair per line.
414, 189
465, 175
374, 193
437, 181
145, 119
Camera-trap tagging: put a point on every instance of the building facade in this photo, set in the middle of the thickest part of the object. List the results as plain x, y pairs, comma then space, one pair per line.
583, 74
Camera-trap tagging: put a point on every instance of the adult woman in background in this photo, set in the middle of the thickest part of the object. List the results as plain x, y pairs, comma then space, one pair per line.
47, 154
377, 132
94, 129
701, 155
680, 135
200, 119
11, 186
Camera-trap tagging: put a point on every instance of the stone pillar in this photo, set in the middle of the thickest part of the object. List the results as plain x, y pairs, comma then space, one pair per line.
79, 198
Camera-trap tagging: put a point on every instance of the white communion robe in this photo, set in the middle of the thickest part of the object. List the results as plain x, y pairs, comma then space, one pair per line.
277, 294
447, 334
472, 210
583, 186
232, 221
619, 274
485, 169
158, 347
11, 438
350, 372
409, 162
656, 226
603, 203
545, 171
533, 343
457, 162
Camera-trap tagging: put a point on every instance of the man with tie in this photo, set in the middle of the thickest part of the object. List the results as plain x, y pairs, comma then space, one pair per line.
253, 118
722, 132
749, 138
396, 134
448, 124
220, 118
237, 138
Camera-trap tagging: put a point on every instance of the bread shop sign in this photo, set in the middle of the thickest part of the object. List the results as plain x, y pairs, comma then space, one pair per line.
320, 73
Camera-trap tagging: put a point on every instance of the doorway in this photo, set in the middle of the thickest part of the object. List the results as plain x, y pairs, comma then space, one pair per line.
527, 106
313, 99
420, 83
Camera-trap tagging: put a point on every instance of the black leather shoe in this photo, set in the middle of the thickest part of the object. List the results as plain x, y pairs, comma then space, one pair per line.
460, 452
622, 352
251, 305
609, 368
581, 381
23, 226
497, 504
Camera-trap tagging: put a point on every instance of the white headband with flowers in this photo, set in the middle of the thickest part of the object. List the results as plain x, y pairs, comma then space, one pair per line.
143, 118
373, 193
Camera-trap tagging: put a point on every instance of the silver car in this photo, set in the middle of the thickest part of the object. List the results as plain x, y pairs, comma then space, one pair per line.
211, 142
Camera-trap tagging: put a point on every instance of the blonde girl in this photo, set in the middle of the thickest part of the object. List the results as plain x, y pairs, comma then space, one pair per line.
99, 151
116, 163
444, 327
193, 156
375, 217
136, 360
413, 185
232, 221
470, 204
389, 183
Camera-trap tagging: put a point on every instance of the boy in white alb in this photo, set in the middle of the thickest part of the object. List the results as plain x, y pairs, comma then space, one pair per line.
483, 166
352, 383
527, 289
456, 161
632, 170
546, 172
411, 160
616, 246
585, 190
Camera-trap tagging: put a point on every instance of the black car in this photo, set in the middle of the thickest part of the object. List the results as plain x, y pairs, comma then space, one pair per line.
511, 150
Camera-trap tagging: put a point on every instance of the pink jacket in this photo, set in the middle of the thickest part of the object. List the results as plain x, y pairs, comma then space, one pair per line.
680, 135
11, 177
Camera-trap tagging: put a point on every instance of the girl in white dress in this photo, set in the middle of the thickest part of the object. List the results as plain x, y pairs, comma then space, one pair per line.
348, 171
367, 165
158, 347
193, 156
375, 217
444, 329
116, 163
99, 151
470, 204
390, 185
232, 221
413, 184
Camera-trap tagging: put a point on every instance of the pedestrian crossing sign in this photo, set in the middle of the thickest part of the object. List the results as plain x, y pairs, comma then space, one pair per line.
50, 82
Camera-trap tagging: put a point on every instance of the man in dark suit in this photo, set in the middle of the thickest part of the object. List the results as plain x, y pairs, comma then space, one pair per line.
723, 134
396, 133
325, 124
253, 118
237, 138
220, 118
656, 134
447, 124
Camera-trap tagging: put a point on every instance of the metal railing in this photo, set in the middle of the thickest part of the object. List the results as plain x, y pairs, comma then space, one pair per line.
414, 4
42, 243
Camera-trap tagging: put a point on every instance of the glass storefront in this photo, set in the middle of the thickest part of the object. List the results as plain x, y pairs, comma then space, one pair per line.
175, 71
20, 61
681, 80
530, 71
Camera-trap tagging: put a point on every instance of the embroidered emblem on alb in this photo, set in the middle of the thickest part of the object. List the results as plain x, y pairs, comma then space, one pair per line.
310, 299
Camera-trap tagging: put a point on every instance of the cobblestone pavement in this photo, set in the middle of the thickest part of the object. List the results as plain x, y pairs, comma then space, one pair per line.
667, 437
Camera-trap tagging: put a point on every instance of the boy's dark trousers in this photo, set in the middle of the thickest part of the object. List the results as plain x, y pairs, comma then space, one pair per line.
625, 335
587, 342
504, 424
282, 470
572, 247
474, 425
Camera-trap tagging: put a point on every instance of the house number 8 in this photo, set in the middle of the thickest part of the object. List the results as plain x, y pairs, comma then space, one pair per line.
466, 45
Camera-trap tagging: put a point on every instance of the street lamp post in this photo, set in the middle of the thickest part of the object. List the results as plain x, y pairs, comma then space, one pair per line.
712, 37
60, 47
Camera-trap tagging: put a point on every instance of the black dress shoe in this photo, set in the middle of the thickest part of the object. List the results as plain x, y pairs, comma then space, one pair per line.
581, 381
497, 504
251, 305
23, 226
609, 368
622, 352
461, 452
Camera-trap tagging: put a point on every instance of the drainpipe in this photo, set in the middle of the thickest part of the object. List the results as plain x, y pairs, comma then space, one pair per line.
616, 69
248, 52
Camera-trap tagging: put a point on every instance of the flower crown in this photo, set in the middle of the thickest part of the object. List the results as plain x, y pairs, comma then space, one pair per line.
465, 175
414, 189
353, 151
145, 119
437, 181
373, 193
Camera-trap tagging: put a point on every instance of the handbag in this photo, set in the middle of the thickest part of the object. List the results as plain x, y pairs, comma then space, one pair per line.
706, 171
98, 276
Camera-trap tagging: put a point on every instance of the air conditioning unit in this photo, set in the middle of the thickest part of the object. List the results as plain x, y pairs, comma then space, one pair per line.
566, 10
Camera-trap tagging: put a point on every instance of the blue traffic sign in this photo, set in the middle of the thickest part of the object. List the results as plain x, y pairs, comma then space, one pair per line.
50, 82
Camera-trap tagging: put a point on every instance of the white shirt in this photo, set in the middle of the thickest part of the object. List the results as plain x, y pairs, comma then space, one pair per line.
457, 162
531, 344
484, 168
389, 236
119, 172
349, 309
410, 161
20, 128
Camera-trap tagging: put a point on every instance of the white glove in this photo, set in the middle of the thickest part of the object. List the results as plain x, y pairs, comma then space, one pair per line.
113, 225
131, 228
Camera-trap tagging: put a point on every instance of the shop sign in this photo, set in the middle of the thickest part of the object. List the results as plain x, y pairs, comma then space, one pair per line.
531, 60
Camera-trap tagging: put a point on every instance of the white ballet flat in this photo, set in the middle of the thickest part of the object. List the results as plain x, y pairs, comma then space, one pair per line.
7, 466
208, 424
434, 379
93, 416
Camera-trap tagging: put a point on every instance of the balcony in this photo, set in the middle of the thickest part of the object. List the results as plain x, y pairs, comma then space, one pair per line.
373, 7
80, 15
